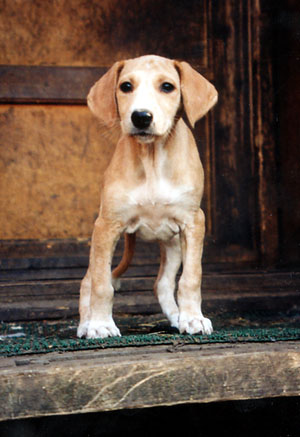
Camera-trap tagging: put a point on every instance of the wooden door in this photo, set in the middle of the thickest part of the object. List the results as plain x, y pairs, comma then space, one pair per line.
53, 152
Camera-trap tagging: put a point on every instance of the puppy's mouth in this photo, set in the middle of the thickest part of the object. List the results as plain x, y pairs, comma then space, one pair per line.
144, 136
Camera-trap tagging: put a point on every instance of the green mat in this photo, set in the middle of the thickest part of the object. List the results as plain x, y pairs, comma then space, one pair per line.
45, 337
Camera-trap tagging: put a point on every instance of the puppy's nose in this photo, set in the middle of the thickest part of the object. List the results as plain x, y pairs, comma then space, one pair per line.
141, 119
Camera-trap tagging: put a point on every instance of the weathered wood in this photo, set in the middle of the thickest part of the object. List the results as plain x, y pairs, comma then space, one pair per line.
51, 169
222, 43
134, 378
270, 282
144, 302
287, 64
262, 134
64, 253
234, 46
28, 81
104, 33
39, 84
49, 248
233, 216
273, 293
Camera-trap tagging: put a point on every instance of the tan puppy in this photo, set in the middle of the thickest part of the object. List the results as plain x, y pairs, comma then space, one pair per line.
152, 187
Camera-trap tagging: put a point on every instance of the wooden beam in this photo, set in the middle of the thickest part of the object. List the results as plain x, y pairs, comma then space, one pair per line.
39, 84
153, 376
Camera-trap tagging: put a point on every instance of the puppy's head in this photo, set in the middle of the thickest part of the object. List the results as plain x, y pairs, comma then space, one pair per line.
145, 94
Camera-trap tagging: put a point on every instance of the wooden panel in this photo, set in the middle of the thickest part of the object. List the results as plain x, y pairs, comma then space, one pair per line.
19, 84
51, 164
81, 33
135, 378
236, 140
288, 92
232, 171
263, 130
36, 298
242, 147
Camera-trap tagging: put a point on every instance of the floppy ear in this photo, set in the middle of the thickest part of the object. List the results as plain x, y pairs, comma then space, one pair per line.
199, 95
102, 99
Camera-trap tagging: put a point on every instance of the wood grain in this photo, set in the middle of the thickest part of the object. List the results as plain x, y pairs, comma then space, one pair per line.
250, 218
287, 64
40, 84
272, 294
134, 378
263, 138
51, 165
93, 33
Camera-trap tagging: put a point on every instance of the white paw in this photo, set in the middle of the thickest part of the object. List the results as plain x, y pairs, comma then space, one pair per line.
194, 324
174, 319
98, 329
82, 329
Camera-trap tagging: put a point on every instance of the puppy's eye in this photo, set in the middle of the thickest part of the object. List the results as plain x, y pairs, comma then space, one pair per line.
167, 87
126, 87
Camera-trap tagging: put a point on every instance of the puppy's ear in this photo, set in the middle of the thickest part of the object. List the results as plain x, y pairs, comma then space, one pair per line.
198, 94
102, 96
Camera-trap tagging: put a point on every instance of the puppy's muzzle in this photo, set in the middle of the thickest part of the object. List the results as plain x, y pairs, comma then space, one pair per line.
141, 119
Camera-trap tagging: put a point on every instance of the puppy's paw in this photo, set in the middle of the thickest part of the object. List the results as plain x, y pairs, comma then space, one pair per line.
98, 329
192, 324
82, 329
102, 329
174, 319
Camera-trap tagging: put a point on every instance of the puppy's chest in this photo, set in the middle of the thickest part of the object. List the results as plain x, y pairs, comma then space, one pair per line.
157, 209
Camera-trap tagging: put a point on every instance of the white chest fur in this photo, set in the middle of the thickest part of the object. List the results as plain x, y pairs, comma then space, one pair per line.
158, 208
157, 211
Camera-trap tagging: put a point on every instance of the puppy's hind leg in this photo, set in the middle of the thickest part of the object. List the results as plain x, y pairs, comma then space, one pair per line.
166, 281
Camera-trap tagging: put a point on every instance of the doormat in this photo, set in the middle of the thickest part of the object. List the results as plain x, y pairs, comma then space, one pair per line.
45, 337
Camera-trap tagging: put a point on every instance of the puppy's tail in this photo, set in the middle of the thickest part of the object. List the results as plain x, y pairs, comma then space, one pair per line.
129, 245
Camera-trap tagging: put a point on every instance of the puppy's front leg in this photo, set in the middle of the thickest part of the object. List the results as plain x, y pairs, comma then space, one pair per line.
191, 319
96, 294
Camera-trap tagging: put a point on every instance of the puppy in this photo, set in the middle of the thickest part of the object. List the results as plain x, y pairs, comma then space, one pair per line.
152, 188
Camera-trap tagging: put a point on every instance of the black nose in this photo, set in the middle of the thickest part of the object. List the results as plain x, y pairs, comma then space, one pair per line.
141, 119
